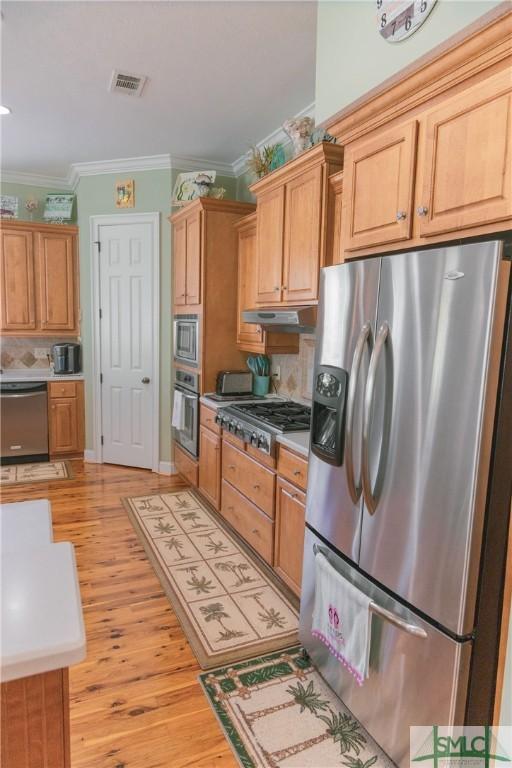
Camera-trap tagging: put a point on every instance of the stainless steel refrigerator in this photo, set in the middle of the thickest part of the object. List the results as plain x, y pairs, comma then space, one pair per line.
408, 391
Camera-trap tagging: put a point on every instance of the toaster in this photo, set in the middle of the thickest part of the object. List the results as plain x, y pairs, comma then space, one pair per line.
234, 383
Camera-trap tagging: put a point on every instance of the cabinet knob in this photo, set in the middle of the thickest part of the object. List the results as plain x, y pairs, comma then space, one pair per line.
255, 531
231, 466
256, 487
422, 210
276, 288
401, 215
295, 495
297, 472
285, 287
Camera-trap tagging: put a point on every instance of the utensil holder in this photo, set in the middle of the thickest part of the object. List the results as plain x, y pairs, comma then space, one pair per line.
261, 385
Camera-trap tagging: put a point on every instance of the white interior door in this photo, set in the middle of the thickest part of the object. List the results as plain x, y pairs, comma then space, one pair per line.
127, 342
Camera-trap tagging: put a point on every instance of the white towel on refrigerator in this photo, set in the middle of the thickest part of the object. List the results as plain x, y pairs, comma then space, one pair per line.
342, 618
178, 410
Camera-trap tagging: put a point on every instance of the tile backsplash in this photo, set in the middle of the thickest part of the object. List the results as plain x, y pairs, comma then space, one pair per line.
297, 371
24, 352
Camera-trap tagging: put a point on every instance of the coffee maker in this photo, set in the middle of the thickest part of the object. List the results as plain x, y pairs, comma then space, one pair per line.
66, 358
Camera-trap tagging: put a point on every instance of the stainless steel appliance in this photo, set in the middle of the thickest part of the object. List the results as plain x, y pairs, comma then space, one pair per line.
259, 423
24, 421
283, 319
406, 390
234, 383
186, 339
188, 384
66, 358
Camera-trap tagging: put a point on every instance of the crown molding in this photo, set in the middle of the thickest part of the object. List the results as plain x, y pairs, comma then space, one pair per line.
35, 180
120, 165
185, 163
278, 136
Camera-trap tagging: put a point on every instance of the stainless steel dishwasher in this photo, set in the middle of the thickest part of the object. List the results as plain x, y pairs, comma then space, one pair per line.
23, 421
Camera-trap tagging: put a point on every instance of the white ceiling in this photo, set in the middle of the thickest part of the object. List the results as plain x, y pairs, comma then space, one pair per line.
222, 75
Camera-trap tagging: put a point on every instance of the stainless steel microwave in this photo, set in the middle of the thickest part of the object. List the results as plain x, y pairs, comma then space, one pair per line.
186, 339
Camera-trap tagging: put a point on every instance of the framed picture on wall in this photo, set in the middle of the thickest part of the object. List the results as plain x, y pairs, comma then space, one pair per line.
9, 207
58, 207
125, 194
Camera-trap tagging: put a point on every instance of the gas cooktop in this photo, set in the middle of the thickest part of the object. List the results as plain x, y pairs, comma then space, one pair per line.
259, 423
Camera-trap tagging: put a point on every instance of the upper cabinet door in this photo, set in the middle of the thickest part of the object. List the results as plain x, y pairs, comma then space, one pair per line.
193, 271
180, 261
17, 281
303, 213
56, 273
269, 240
468, 159
247, 333
378, 188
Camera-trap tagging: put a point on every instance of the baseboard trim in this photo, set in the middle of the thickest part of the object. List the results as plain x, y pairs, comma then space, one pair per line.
90, 456
166, 468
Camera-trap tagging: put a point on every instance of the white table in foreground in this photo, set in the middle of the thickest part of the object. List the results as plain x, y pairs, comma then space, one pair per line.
25, 525
42, 625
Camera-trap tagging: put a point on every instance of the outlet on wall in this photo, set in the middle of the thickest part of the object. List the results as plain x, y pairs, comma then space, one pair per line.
276, 373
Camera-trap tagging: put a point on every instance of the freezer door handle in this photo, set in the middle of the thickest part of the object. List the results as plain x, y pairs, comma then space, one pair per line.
392, 618
383, 613
371, 494
354, 487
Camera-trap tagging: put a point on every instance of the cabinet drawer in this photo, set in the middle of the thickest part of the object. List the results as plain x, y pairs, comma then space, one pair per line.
292, 467
186, 465
252, 525
289, 534
249, 477
63, 388
207, 419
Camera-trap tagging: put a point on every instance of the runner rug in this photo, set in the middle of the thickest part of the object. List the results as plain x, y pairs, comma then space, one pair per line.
230, 604
277, 712
42, 471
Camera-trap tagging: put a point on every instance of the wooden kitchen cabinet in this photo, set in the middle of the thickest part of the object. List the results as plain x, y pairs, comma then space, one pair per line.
301, 260
251, 337
209, 465
56, 267
289, 534
186, 465
255, 481
187, 260
35, 721
467, 159
379, 188
66, 418
38, 279
17, 280
294, 229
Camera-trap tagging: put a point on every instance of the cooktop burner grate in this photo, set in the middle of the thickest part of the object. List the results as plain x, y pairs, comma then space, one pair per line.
282, 416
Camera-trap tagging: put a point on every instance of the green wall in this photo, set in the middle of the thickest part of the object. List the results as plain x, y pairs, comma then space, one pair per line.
352, 57
95, 197
25, 192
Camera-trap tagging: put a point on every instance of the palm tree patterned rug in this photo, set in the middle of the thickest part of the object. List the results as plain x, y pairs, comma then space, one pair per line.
42, 471
277, 712
230, 604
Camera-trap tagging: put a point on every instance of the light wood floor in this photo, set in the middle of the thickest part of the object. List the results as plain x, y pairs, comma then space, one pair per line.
135, 700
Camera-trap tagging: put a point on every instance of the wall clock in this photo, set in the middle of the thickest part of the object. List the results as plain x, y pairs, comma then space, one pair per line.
399, 19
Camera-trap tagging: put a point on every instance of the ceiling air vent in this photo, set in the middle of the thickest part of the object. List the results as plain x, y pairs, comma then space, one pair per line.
122, 82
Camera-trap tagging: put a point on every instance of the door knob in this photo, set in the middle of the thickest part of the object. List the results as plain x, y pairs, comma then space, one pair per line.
146, 380
401, 215
422, 210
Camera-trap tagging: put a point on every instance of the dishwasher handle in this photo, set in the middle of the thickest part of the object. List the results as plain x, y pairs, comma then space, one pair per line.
41, 393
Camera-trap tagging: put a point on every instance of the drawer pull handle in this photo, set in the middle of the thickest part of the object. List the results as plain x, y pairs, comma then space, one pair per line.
256, 487
255, 531
295, 495
232, 509
231, 466
297, 472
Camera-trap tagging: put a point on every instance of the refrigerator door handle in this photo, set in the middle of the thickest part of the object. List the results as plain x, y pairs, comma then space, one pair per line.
354, 488
370, 495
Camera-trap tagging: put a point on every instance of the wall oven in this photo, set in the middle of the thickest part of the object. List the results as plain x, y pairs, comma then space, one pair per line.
187, 435
186, 339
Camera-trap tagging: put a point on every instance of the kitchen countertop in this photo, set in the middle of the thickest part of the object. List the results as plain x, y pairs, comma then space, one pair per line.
40, 374
296, 441
42, 625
